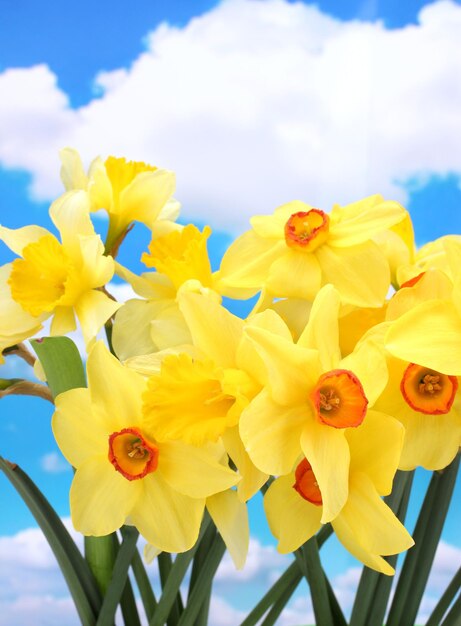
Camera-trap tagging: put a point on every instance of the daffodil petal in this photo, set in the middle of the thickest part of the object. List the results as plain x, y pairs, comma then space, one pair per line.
70, 214
144, 198
292, 370
131, 331
115, 390
230, 516
360, 273
291, 519
430, 335
376, 446
101, 498
295, 274
78, 431
321, 332
271, 433
192, 471
93, 309
167, 519
327, 450
252, 478
72, 173
214, 329
374, 526
18, 238
63, 321
368, 363
362, 220
15, 323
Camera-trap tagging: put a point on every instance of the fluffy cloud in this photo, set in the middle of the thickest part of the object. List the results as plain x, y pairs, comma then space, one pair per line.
32, 589
256, 103
54, 463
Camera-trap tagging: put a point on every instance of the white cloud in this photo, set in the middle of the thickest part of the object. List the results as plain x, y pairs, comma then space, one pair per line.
256, 103
54, 463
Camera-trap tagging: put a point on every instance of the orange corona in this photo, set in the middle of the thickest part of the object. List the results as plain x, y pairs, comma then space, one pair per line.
428, 391
339, 399
306, 483
131, 454
307, 230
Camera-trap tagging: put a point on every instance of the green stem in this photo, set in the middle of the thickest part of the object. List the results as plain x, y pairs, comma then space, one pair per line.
288, 580
454, 616
417, 564
144, 585
316, 580
118, 587
165, 565
441, 608
199, 559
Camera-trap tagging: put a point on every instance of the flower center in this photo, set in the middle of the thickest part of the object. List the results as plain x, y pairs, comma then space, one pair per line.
38, 280
306, 484
131, 454
339, 399
307, 230
428, 391
122, 172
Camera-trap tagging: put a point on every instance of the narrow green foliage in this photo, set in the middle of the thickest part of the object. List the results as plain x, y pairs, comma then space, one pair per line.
61, 363
447, 598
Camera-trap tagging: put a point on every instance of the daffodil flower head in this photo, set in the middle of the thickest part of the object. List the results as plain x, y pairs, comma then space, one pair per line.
299, 248
62, 278
122, 471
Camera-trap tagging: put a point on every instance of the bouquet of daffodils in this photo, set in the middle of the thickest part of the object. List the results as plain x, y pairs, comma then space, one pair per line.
340, 382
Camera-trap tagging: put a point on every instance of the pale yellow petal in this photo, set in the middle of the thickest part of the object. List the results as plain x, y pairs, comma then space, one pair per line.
70, 214
150, 553
252, 478
192, 471
115, 390
245, 265
169, 328
93, 309
63, 321
230, 516
18, 238
131, 331
359, 222
215, 331
15, 323
271, 433
101, 498
167, 519
433, 285
296, 274
327, 450
368, 363
321, 332
360, 273
99, 186
273, 226
430, 335
72, 172
292, 370
375, 528
291, 519
376, 446
96, 269
144, 198
77, 429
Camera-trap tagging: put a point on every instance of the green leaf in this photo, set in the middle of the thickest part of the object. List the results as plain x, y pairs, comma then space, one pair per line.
165, 564
418, 562
203, 582
313, 571
454, 616
197, 565
289, 580
61, 363
145, 588
441, 608
76, 572
118, 581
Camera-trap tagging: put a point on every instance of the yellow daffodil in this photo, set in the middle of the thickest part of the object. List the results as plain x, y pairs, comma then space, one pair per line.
128, 190
199, 398
365, 525
312, 399
122, 471
180, 256
58, 279
429, 332
295, 251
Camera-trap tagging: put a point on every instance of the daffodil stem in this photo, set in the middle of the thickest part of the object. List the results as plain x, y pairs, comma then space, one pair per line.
441, 608
117, 590
199, 558
203, 582
145, 588
317, 583
165, 565
288, 580
373, 590
454, 615
416, 568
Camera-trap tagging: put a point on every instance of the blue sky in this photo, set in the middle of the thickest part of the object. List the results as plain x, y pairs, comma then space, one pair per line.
252, 104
